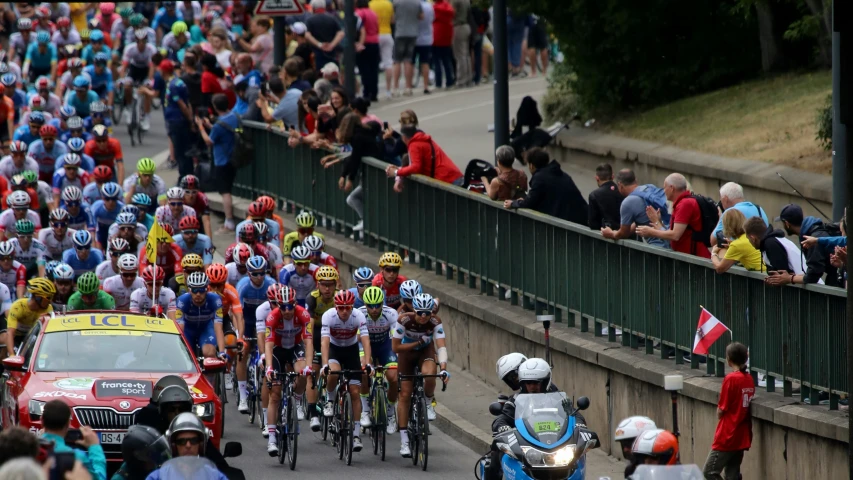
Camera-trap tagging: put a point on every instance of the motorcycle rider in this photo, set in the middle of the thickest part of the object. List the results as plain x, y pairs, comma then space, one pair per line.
653, 447
144, 449
629, 429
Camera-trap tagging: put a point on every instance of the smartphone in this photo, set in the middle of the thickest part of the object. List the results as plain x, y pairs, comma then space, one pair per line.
385, 125
73, 436
63, 463
237, 29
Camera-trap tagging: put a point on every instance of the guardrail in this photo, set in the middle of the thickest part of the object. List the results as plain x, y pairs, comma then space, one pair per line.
796, 335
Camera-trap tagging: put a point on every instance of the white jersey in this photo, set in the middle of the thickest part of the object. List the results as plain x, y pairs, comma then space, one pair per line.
105, 270
5, 299
235, 276
274, 256
154, 190
140, 301
380, 329
261, 314
115, 287
164, 216
141, 230
11, 277
56, 246
9, 170
45, 192
32, 256
7, 221
343, 333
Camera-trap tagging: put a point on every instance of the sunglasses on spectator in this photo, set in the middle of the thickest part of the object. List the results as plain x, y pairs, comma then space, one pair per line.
176, 204
392, 269
287, 306
374, 305
198, 290
82, 247
187, 441
58, 224
305, 231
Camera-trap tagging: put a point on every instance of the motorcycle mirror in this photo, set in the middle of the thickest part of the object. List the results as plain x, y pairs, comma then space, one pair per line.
233, 449
503, 398
583, 403
495, 408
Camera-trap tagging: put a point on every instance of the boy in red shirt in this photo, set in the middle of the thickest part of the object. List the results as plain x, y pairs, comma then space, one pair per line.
734, 432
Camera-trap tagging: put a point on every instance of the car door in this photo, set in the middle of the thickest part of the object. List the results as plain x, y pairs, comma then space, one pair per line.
13, 382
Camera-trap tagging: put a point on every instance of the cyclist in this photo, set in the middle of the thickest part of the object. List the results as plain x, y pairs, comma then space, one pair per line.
28, 132
7, 112
273, 252
50, 103
69, 175
232, 309
19, 201
165, 17
174, 211
268, 204
101, 78
123, 285
408, 290
128, 228
64, 34
97, 116
199, 314
363, 278
82, 97
191, 241
197, 200
43, 191
257, 214
106, 151
12, 274
46, 150
318, 257
237, 269
79, 214
61, 123
169, 255
82, 258
17, 161
389, 278
19, 98
20, 41
140, 300
89, 296
189, 264
342, 329
137, 66
299, 275
109, 268
252, 292
137, 23
63, 279
40, 59
288, 344
29, 251
57, 238
176, 42
26, 311
380, 320
96, 46
102, 174
36, 104
246, 235
145, 181
105, 212
107, 17
318, 303
143, 204
76, 143
74, 68
117, 32
418, 339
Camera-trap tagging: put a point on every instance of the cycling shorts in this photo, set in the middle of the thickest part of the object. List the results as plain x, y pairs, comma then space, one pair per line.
382, 354
406, 361
138, 74
226, 323
318, 345
250, 329
200, 334
101, 90
287, 356
346, 357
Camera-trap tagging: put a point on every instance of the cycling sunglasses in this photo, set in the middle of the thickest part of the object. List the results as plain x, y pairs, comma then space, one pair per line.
198, 290
392, 269
373, 305
82, 247
363, 285
72, 204
287, 306
423, 313
343, 308
189, 232
305, 231
257, 274
58, 224
176, 204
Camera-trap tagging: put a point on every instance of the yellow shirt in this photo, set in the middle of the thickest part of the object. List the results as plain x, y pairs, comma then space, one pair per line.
744, 253
384, 11
21, 319
78, 15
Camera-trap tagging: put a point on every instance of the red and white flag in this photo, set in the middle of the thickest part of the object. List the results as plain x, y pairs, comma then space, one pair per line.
708, 331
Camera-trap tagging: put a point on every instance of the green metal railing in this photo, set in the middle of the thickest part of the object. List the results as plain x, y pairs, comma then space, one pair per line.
796, 335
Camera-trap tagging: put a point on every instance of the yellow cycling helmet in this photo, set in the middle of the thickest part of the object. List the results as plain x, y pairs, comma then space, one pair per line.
192, 260
305, 220
390, 259
179, 28
41, 287
326, 273
146, 166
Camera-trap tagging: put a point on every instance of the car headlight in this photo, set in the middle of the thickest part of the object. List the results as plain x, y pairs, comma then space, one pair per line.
559, 458
35, 409
204, 411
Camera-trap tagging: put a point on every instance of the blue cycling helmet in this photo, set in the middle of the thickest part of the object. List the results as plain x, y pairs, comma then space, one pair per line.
423, 302
67, 111
63, 271
101, 58
96, 36
110, 190
363, 274
256, 262
410, 289
126, 219
82, 238
37, 117
131, 209
76, 144
141, 199
80, 82
48, 268
44, 37
8, 79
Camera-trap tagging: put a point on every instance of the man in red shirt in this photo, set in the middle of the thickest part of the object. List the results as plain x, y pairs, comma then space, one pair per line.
734, 431
106, 150
686, 219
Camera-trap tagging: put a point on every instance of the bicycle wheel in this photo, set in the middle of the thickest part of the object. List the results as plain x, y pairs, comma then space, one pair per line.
282, 430
423, 431
258, 400
413, 430
292, 432
250, 388
218, 382
348, 428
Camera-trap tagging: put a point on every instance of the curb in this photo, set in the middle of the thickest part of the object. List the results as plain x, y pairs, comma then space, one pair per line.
462, 430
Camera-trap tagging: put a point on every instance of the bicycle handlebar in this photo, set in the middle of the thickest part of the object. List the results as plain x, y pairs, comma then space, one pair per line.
420, 375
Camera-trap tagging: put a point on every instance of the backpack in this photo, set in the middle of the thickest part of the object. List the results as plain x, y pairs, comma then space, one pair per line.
710, 217
655, 198
244, 148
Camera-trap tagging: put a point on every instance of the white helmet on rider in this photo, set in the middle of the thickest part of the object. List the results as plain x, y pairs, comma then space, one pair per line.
535, 370
629, 429
507, 369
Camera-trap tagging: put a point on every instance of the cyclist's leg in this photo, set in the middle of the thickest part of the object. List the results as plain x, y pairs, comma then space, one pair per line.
243, 363
406, 366
297, 359
334, 365
313, 394
350, 360
386, 356
274, 394
364, 392
207, 339
428, 367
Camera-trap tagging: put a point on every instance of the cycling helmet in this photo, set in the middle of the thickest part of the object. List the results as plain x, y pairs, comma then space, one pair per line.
103, 173
126, 218
75, 123
82, 238
63, 271
373, 296
96, 36
189, 182
189, 223
76, 144
326, 273
217, 273
18, 182
175, 193
507, 369
110, 190
305, 220
256, 209
286, 295
59, 215
262, 229
72, 194
141, 199
25, 24
145, 166
131, 209
7, 249
136, 19
128, 262
344, 298
108, 8
174, 394
410, 289
390, 259
363, 274
37, 118
256, 263
4, 68
197, 280
67, 111
423, 302
43, 37
192, 260
300, 254
179, 28
125, 12
74, 62
188, 422
101, 58
242, 253
72, 160
140, 35
30, 176
313, 243
18, 199
80, 81
658, 444
100, 131
247, 232
36, 104
9, 79
48, 131
41, 287
629, 429
267, 202
25, 226
84, 34
168, 228
119, 245
272, 291
48, 269
63, 22
18, 146
144, 449
97, 107
42, 83
535, 370
153, 272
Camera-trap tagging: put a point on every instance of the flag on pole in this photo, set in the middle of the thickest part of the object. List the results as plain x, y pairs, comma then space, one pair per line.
156, 235
708, 331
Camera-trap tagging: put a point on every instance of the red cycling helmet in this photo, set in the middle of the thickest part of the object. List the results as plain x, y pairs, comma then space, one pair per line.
189, 223
256, 209
344, 298
153, 272
63, 22
189, 182
267, 202
272, 290
242, 253
217, 273
48, 131
287, 295
247, 233
103, 173
168, 228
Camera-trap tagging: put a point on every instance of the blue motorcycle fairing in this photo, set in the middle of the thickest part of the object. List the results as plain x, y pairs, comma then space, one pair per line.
569, 430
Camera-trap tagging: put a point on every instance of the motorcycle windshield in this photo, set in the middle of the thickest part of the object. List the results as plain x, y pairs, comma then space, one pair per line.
543, 418
668, 472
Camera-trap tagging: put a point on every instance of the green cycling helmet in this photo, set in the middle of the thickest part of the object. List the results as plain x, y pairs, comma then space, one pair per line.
373, 296
136, 19
179, 28
88, 283
125, 12
25, 227
146, 166
30, 176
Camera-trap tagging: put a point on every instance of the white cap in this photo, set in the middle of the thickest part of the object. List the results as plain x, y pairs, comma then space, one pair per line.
298, 28
330, 69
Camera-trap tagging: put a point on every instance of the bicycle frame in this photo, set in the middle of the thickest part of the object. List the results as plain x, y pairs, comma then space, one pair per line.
418, 424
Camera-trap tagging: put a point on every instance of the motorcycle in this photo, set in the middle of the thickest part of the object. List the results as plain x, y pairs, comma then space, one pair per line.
546, 443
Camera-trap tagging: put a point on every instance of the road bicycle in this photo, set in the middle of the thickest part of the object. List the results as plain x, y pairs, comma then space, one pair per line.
418, 426
254, 376
378, 401
287, 426
342, 424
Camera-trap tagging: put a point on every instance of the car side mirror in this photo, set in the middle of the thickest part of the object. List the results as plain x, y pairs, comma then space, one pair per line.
495, 408
233, 449
212, 365
583, 403
14, 363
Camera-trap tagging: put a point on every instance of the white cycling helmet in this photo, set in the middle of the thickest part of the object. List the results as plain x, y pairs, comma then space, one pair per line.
19, 198
507, 369
7, 249
128, 261
313, 243
175, 193
63, 271
535, 370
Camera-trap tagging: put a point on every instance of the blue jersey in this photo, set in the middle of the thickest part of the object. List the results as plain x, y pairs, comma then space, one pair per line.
302, 284
188, 313
89, 123
83, 220
65, 135
82, 266
104, 218
86, 162
23, 134
81, 106
88, 54
164, 20
92, 192
102, 81
358, 301
46, 159
252, 297
41, 60
176, 91
203, 246
20, 101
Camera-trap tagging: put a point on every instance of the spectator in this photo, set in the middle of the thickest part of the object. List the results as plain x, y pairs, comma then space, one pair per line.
510, 184
303, 48
178, 115
537, 42
740, 250
291, 75
685, 216
261, 45
817, 261
286, 110
324, 34
632, 211
423, 45
220, 46
56, 416
481, 22
442, 43
462, 42
384, 10
425, 158
221, 138
368, 55
360, 107
407, 13
552, 191
210, 82
17, 442
364, 142
23, 469
604, 201
778, 253
246, 71
731, 196
516, 22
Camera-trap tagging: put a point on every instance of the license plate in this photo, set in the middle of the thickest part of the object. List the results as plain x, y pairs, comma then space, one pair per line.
112, 437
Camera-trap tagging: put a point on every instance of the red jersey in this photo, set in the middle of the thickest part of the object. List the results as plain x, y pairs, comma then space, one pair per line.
685, 209
392, 293
104, 155
201, 205
287, 334
170, 263
257, 248
734, 431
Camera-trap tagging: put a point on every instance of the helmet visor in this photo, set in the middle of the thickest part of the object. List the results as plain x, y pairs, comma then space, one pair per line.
156, 454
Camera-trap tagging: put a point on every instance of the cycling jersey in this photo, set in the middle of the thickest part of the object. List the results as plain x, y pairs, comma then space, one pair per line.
257, 249
272, 230
163, 20
34, 199
61, 180
20, 44
140, 59
201, 205
261, 315
115, 287
45, 193
141, 232
81, 105
46, 159
39, 60
288, 333
392, 294
410, 331
197, 321
107, 154
302, 284
8, 168
234, 275
275, 258
51, 104
25, 121
291, 240
380, 329
170, 262
129, 34
82, 266
343, 333
156, 188
83, 220
252, 296
326, 259
358, 301
86, 163
202, 246
7, 221
14, 277
148, 221
101, 83
21, 318
90, 122
31, 257
103, 301
5, 299
88, 53
230, 300
61, 40
105, 270
104, 218
170, 42
140, 301
25, 134
92, 193
164, 216
67, 79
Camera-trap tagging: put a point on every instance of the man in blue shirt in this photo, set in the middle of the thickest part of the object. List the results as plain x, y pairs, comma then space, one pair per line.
102, 78
221, 138
731, 196
178, 115
82, 97
164, 18
56, 417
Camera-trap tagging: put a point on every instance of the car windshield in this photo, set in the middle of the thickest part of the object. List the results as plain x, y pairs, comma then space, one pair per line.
113, 351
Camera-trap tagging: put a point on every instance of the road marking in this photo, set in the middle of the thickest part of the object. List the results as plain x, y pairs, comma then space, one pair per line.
445, 94
478, 105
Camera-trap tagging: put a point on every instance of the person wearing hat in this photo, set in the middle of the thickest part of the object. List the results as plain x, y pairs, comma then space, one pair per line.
303, 48
817, 260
